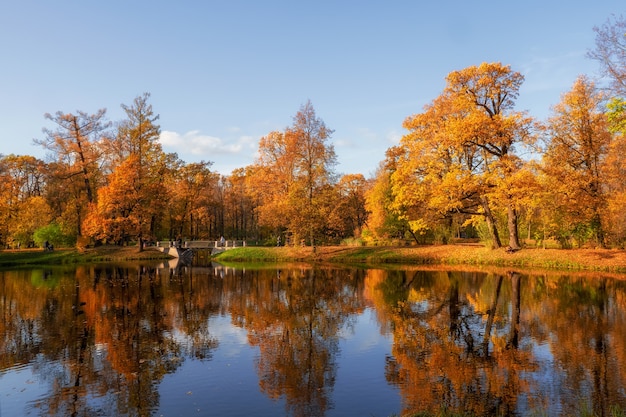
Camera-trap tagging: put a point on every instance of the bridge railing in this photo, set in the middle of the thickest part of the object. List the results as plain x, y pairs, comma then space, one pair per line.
202, 244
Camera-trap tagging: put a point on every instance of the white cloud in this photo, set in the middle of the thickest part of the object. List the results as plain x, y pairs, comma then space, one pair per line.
195, 143
194, 146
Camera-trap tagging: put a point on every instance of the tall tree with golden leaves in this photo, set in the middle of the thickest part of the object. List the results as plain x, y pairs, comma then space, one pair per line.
579, 141
315, 161
292, 174
487, 95
460, 152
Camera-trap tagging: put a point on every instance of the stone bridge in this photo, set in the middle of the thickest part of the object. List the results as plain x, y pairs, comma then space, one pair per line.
187, 248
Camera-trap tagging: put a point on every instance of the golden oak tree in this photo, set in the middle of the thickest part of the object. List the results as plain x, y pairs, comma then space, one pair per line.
579, 141
460, 152
487, 93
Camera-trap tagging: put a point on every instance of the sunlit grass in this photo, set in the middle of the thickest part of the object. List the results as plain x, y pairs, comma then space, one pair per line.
592, 260
599, 260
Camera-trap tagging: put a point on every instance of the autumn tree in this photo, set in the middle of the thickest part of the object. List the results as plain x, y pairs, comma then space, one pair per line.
272, 177
495, 129
610, 53
579, 141
314, 165
75, 156
292, 173
436, 179
144, 166
22, 193
118, 214
192, 188
460, 152
615, 169
616, 116
240, 220
383, 221
348, 215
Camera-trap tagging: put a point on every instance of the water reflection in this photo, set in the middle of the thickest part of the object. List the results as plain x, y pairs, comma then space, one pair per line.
101, 341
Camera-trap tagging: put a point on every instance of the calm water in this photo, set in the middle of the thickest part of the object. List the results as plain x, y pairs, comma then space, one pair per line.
301, 341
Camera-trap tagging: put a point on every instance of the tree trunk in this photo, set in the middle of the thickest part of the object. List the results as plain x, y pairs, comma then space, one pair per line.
491, 224
513, 230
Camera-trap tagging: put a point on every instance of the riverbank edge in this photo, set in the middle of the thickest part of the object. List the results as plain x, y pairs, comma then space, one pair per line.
70, 256
592, 260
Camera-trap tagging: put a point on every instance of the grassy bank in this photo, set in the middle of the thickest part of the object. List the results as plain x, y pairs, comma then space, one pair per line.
24, 257
599, 260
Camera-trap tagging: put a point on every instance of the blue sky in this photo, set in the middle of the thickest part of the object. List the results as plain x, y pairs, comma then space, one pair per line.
222, 74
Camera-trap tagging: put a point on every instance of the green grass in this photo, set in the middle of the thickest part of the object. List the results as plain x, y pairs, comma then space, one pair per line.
258, 254
72, 256
40, 257
353, 255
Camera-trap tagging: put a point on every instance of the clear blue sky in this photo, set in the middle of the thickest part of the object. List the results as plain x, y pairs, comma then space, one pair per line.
222, 74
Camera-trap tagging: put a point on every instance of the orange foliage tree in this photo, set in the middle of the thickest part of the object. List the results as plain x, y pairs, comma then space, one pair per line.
292, 176
120, 209
191, 188
579, 142
383, 221
459, 157
22, 206
135, 196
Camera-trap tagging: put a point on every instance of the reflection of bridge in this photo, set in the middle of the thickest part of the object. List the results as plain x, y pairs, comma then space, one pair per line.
187, 248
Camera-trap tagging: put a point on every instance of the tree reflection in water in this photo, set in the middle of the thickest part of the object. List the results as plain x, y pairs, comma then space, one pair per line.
102, 339
438, 318
296, 321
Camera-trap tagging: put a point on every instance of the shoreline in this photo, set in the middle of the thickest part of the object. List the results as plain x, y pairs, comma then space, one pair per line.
579, 260
585, 260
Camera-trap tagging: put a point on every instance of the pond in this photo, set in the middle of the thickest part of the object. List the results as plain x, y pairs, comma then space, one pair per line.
168, 340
